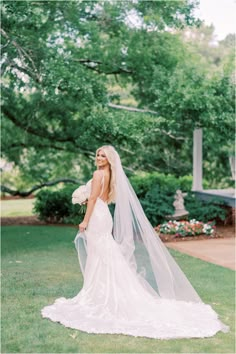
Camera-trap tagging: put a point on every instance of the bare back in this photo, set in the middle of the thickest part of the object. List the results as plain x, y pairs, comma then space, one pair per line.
105, 189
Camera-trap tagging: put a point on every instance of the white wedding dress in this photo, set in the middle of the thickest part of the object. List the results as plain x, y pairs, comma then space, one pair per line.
113, 300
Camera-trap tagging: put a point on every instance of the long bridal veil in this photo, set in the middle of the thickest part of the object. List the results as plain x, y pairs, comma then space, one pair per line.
142, 248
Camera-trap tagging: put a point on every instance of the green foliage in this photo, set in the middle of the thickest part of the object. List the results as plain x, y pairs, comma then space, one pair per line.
156, 193
58, 61
13, 177
56, 206
157, 204
143, 182
205, 210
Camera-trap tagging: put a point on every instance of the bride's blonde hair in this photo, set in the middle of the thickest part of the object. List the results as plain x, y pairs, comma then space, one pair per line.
110, 155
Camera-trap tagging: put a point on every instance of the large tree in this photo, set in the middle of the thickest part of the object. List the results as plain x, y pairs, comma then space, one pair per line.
58, 58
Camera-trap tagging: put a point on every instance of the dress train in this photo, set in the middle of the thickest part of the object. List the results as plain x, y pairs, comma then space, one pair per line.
114, 301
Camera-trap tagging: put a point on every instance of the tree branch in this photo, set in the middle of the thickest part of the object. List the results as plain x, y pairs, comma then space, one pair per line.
131, 109
5, 189
43, 134
92, 65
25, 71
5, 45
169, 134
22, 53
134, 109
85, 61
37, 145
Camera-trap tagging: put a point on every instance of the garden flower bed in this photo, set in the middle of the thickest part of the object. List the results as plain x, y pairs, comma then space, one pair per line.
186, 230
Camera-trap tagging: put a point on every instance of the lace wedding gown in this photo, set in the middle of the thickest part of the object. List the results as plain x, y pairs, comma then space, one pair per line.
114, 301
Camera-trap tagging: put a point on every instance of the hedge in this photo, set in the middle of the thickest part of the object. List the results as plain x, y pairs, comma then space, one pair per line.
154, 190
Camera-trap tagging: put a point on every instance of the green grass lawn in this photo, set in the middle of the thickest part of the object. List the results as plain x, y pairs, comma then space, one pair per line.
39, 264
17, 207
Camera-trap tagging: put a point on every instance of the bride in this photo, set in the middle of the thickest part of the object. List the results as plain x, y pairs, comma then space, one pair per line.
132, 285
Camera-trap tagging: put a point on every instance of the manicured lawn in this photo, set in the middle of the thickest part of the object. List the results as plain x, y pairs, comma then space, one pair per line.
39, 264
17, 207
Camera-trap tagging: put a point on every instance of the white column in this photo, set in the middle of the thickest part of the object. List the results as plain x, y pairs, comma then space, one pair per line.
197, 160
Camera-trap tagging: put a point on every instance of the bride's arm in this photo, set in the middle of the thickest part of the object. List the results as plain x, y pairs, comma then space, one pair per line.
95, 192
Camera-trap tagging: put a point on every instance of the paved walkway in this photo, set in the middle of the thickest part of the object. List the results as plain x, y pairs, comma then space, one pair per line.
219, 251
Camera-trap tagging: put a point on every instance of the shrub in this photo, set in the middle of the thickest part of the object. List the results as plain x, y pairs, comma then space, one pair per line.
144, 182
56, 206
155, 191
205, 210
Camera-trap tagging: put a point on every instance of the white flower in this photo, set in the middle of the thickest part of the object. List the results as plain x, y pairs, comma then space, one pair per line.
193, 221
80, 195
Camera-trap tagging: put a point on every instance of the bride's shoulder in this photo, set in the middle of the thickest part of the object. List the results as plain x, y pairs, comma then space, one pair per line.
97, 175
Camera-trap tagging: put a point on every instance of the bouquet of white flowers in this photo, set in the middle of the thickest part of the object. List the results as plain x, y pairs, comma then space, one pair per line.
80, 195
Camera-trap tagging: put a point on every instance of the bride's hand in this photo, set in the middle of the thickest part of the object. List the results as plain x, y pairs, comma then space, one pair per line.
82, 226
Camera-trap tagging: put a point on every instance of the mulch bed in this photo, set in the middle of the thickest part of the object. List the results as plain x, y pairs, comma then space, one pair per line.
172, 238
28, 220
15, 197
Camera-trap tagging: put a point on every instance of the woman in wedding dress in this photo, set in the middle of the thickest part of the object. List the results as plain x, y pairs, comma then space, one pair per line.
132, 285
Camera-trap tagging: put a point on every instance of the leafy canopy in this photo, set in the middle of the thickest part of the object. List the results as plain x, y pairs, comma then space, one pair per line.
58, 58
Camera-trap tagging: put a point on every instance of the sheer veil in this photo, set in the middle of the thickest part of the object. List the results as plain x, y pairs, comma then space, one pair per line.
140, 245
